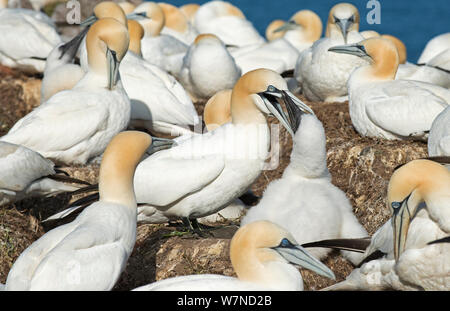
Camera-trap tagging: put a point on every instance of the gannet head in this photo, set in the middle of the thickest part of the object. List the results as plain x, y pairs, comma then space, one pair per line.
223, 8
401, 47
217, 110
175, 19
410, 185
257, 93
107, 43
127, 7
136, 33
305, 21
207, 38
343, 18
189, 11
367, 34
381, 54
261, 243
273, 32
151, 16
106, 9
119, 162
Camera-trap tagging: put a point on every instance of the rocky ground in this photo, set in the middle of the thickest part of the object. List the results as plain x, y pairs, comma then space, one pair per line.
361, 167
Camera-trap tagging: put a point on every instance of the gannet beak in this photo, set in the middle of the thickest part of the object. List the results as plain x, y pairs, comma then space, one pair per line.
113, 68
297, 255
296, 108
137, 16
290, 25
400, 222
352, 49
270, 98
231, 46
89, 21
344, 25
73, 45
159, 144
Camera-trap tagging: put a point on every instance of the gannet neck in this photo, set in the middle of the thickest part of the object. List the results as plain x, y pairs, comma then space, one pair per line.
401, 47
174, 18
189, 10
223, 8
127, 7
244, 109
118, 165
136, 33
309, 154
423, 177
384, 56
342, 11
253, 257
270, 30
311, 25
217, 110
109, 9
106, 34
156, 18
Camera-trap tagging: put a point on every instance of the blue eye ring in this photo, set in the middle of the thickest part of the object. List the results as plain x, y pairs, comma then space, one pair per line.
396, 205
271, 88
285, 243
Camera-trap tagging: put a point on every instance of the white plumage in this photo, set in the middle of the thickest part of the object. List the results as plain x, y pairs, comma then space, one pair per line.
439, 138
434, 47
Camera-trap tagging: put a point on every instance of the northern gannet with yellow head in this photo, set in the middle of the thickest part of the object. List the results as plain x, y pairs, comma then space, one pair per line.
91, 252
158, 102
419, 196
189, 10
27, 38
264, 257
323, 75
213, 169
383, 107
196, 75
439, 139
76, 125
302, 30
177, 24
162, 50
227, 22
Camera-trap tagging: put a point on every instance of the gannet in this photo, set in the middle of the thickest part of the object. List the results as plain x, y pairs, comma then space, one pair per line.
419, 197
127, 7
76, 125
228, 23
383, 107
196, 76
321, 74
302, 30
439, 139
434, 48
189, 11
273, 32
177, 24
263, 255
163, 50
303, 200
367, 34
158, 102
25, 173
213, 169
27, 38
91, 252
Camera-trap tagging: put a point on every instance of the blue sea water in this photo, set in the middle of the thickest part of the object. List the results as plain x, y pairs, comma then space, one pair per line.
415, 22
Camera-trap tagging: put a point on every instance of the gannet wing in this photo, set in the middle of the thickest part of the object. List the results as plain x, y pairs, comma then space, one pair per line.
406, 110
165, 181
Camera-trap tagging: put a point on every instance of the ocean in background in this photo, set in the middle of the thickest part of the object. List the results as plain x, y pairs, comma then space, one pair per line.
415, 22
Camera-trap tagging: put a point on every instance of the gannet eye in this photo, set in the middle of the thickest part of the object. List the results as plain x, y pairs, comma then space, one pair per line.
336, 20
285, 243
271, 88
352, 19
396, 205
